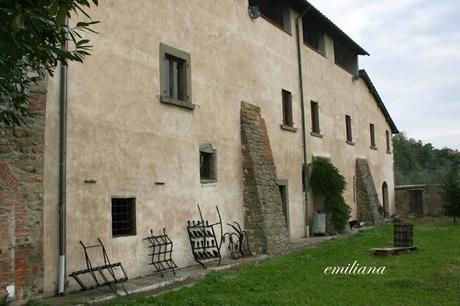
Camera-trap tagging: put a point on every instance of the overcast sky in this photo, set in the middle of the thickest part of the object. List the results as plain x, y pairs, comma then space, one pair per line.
414, 62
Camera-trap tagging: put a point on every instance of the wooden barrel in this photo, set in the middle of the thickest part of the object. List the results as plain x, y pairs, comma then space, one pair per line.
403, 235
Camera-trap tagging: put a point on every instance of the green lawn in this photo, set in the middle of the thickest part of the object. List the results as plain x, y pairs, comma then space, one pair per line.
429, 276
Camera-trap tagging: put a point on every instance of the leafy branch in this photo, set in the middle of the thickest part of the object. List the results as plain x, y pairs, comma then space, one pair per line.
33, 34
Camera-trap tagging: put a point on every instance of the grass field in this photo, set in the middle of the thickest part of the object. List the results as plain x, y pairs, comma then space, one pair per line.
429, 276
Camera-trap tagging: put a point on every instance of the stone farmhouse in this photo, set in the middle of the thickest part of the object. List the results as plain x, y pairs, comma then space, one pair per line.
217, 103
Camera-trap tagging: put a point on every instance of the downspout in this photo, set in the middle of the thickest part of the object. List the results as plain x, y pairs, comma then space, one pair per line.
302, 108
62, 172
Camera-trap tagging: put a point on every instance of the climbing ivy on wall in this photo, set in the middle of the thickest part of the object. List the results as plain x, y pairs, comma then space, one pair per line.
326, 179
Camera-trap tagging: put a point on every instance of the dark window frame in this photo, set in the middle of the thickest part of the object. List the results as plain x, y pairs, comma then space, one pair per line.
348, 129
283, 187
286, 104
168, 56
315, 124
208, 164
388, 141
313, 36
281, 21
123, 213
346, 59
372, 135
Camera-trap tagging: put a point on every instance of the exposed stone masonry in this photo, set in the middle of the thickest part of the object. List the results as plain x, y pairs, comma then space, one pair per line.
367, 200
430, 200
263, 213
21, 204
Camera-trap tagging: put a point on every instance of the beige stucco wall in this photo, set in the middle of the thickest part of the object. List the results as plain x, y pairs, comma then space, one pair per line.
120, 135
338, 95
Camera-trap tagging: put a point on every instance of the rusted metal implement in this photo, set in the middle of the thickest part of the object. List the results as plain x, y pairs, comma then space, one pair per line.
107, 274
161, 256
203, 241
238, 243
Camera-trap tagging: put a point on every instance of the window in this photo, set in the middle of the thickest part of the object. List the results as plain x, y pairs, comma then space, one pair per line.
123, 217
287, 108
277, 12
207, 164
372, 133
388, 137
348, 129
312, 35
385, 200
283, 189
346, 59
315, 118
175, 77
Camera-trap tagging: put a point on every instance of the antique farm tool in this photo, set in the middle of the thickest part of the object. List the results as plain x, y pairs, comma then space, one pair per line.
107, 274
203, 241
162, 247
238, 243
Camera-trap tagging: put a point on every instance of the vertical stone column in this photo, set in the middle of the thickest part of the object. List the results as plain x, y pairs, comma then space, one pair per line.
263, 212
367, 199
21, 204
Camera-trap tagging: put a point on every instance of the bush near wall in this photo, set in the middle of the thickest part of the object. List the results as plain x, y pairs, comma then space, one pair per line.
326, 179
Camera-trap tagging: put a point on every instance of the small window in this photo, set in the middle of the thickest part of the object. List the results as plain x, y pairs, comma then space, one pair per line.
283, 189
175, 77
346, 59
123, 217
287, 108
207, 164
388, 138
312, 35
315, 118
372, 133
348, 129
277, 12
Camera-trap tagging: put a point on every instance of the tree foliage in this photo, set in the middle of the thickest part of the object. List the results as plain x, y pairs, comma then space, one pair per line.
420, 163
327, 180
32, 36
450, 194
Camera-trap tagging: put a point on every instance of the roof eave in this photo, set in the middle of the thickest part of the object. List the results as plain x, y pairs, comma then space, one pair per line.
363, 74
304, 5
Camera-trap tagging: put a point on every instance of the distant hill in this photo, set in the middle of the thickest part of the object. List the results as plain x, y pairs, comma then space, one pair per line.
421, 163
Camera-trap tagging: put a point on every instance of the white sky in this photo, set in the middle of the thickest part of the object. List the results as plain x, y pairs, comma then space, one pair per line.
414, 62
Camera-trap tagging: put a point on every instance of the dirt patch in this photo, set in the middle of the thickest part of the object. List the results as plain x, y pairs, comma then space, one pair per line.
452, 269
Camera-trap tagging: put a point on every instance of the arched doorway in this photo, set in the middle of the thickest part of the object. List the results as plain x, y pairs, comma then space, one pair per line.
385, 202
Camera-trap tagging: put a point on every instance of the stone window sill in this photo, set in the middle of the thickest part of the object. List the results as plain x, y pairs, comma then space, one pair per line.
288, 128
319, 135
373, 147
208, 182
388, 152
176, 102
351, 143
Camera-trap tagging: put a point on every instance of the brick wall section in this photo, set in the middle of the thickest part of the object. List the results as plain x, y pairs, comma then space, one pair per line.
367, 200
431, 200
21, 204
263, 213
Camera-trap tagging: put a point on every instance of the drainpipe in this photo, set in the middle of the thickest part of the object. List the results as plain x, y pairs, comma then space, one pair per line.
62, 172
302, 108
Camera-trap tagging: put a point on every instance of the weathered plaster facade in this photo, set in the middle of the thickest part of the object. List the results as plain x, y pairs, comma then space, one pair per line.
122, 137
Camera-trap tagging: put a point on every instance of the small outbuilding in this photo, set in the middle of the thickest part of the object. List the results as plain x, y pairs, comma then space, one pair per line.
419, 200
